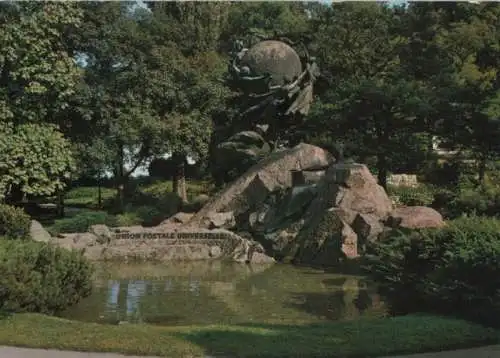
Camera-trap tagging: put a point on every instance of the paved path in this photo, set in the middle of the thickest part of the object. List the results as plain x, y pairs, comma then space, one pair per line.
483, 352
11, 352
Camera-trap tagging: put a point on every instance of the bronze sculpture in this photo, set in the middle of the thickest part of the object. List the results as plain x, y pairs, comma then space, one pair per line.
275, 92
276, 85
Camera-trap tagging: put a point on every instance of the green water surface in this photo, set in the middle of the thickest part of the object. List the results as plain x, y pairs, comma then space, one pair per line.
204, 292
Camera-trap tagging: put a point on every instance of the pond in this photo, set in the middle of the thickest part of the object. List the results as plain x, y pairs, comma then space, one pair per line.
209, 292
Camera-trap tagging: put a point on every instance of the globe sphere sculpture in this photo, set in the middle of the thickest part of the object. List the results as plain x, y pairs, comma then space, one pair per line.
274, 86
274, 58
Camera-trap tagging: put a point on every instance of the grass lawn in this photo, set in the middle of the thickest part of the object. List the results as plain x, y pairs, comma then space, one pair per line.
87, 196
151, 203
364, 338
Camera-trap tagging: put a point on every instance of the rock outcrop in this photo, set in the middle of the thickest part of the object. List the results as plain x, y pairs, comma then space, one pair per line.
415, 217
348, 210
252, 189
320, 218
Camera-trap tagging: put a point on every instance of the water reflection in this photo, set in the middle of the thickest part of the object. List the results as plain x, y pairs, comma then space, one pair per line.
224, 294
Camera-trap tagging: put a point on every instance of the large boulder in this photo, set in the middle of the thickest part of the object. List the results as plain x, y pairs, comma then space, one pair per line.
38, 232
279, 220
224, 220
415, 217
368, 227
177, 219
347, 211
249, 191
330, 241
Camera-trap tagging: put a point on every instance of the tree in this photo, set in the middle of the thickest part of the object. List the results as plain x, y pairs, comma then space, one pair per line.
372, 101
195, 27
460, 43
34, 160
143, 94
37, 79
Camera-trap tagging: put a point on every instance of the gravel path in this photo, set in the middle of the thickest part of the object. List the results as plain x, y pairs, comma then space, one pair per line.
12, 352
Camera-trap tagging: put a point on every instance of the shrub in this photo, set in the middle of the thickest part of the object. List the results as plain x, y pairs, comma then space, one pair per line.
473, 199
128, 219
38, 277
150, 215
81, 222
167, 204
453, 270
418, 196
14, 222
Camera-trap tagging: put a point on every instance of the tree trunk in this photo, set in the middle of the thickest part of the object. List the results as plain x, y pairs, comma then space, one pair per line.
179, 178
60, 203
99, 191
382, 170
120, 181
383, 135
482, 170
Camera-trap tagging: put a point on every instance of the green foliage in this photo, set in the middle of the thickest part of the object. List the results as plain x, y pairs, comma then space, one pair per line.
159, 189
250, 20
153, 209
147, 96
469, 197
87, 196
150, 215
81, 222
35, 158
421, 195
39, 76
128, 219
451, 271
149, 83
371, 103
38, 79
14, 223
38, 277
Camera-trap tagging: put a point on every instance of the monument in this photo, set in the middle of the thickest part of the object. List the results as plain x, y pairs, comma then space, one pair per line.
275, 92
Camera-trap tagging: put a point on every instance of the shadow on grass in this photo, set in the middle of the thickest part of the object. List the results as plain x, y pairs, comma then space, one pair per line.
362, 338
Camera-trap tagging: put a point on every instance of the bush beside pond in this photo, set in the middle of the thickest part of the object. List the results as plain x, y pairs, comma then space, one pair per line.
81, 221
452, 271
14, 223
38, 277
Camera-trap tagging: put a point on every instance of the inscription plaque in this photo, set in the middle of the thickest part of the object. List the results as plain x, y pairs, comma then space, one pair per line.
167, 235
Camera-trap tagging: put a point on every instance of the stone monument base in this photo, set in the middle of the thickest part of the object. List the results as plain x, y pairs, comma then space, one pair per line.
155, 244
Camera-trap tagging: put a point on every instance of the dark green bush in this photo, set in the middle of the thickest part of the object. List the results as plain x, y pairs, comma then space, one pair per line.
81, 222
14, 222
469, 197
473, 199
451, 271
38, 277
150, 215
